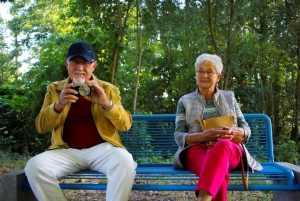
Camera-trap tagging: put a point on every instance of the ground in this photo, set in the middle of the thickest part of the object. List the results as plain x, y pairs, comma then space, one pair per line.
81, 195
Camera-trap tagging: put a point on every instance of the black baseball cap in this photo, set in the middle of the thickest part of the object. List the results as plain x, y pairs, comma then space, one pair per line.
81, 49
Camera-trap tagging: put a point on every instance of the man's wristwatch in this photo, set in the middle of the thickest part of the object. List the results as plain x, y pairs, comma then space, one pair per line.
110, 105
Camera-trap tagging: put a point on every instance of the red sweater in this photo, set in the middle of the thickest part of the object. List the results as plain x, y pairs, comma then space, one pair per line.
79, 128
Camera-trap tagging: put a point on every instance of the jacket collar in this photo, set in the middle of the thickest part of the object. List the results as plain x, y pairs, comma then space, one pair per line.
216, 95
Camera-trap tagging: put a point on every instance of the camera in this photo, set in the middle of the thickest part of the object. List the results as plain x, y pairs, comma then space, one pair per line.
82, 89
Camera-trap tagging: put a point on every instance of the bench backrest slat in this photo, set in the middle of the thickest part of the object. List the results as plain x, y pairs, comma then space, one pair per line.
152, 137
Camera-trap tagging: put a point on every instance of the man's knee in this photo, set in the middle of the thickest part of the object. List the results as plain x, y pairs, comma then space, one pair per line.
125, 160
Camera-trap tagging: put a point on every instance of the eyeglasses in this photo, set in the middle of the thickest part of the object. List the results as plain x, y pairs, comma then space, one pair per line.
208, 73
85, 64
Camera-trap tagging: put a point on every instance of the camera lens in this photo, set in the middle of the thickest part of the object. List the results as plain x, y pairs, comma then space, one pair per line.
84, 90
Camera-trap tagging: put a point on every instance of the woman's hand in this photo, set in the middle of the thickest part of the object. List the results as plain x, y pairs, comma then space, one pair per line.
212, 134
235, 134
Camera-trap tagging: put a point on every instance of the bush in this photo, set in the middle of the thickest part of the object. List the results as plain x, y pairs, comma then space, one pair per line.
287, 151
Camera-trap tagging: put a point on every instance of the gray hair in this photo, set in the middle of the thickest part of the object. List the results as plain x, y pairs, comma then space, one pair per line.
215, 59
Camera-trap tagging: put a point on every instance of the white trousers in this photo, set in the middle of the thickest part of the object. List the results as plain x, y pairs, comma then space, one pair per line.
44, 169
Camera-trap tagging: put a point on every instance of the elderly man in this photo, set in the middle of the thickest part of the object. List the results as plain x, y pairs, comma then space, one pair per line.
84, 114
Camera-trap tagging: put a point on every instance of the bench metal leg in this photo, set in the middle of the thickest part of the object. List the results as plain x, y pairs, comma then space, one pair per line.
10, 188
288, 195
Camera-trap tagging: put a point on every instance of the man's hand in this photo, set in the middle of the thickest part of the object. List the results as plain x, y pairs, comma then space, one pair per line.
67, 95
98, 95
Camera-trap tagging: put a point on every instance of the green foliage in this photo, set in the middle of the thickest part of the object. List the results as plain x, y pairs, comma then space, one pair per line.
258, 42
153, 160
287, 151
17, 125
11, 118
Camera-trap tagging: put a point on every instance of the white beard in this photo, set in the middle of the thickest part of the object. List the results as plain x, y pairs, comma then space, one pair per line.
78, 79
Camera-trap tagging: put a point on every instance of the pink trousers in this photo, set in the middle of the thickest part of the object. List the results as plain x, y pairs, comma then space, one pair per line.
212, 165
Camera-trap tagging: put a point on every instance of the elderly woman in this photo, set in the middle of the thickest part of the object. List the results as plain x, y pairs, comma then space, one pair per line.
211, 164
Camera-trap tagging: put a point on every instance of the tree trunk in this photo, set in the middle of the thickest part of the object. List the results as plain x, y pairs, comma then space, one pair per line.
139, 42
229, 42
119, 40
295, 118
210, 24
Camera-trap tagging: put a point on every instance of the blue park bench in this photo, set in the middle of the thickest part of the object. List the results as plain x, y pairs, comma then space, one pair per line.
151, 142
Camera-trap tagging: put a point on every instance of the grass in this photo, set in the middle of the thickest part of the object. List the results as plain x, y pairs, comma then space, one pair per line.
10, 162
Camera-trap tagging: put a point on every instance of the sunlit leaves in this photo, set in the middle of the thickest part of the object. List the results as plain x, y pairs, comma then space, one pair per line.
259, 46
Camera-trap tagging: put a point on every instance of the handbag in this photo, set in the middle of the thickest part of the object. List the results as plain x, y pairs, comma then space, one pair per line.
216, 122
227, 121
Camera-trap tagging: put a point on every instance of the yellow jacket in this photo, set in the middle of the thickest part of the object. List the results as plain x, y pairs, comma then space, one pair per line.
107, 122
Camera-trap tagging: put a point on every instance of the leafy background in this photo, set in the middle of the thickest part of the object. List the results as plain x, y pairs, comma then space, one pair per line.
148, 48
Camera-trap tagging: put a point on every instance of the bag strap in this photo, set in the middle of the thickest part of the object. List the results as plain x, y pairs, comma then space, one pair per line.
244, 179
